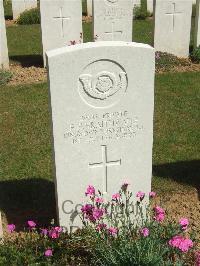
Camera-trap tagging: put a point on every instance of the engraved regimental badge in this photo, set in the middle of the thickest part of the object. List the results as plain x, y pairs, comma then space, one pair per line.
103, 83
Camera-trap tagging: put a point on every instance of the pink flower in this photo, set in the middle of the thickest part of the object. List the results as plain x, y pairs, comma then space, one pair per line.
116, 196
99, 200
157, 55
184, 223
159, 214
31, 224
11, 228
140, 195
87, 209
160, 217
152, 194
48, 253
58, 229
183, 244
90, 191
144, 232
44, 232
175, 241
100, 227
54, 234
97, 213
113, 231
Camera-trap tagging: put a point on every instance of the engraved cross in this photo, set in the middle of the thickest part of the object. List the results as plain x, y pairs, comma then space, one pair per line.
173, 15
105, 164
62, 18
113, 32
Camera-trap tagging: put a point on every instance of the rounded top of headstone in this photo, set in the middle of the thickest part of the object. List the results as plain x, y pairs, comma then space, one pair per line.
89, 45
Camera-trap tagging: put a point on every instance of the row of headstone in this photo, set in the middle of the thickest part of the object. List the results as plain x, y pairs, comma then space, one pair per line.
113, 21
4, 61
61, 23
19, 6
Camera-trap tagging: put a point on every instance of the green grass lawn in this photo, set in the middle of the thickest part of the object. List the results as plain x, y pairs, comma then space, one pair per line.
25, 44
26, 138
24, 41
25, 142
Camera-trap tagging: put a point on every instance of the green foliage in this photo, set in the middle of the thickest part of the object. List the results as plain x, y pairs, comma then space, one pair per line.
84, 7
29, 17
143, 4
7, 9
194, 10
127, 251
5, 76
141, 12
195, 56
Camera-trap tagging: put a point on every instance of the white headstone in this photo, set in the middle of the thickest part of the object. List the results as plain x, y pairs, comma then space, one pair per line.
19, 6
150, 6
113, 20
172, 26
197, 25
61, 23
89, 8
1, 228
102, 99
136, 3
4, 61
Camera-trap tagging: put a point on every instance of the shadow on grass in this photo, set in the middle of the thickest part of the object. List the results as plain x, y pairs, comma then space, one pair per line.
28, 199
187, 172
8, 17
28, 60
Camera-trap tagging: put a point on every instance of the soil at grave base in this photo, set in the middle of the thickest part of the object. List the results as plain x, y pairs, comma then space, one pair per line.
10, 22
191, 67
183, 204
38, 74
25, 75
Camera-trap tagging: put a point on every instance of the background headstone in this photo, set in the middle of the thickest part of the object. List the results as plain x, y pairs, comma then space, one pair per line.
172, 19
1, 228
197, 25
150, 6
102, 115
61, 23
19, 6
112, 20
4, 61
89, 8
